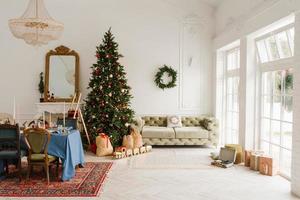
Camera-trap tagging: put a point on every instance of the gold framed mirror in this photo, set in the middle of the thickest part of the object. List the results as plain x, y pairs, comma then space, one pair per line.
61, 75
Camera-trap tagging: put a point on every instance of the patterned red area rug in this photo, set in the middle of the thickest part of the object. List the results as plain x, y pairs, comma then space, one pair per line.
87, 183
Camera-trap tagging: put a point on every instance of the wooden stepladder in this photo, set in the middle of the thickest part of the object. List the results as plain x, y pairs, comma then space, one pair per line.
78, 111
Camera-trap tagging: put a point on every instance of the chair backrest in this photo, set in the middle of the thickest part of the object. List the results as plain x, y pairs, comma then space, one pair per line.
9, 137
38, 139
70, 122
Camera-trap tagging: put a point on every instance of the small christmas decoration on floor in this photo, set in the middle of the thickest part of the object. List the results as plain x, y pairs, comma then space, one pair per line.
122, 152
132, 145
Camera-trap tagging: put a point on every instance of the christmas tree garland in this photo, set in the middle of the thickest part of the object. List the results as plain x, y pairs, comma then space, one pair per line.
171, 73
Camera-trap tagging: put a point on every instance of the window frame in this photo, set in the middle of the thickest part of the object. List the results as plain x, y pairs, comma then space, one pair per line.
230, 73
274, 33
280, 64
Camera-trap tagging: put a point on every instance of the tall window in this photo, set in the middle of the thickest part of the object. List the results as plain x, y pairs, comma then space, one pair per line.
275, 52
232, 96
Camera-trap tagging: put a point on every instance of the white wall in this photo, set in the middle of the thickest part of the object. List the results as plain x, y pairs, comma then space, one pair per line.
233, 12
149, 34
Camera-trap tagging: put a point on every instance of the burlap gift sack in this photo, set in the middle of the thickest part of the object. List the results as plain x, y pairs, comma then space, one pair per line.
128, 141
104, 147
137, 138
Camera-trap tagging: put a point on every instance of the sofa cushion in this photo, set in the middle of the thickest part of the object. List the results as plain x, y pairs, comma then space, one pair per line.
191, 132
157, 132
40, 157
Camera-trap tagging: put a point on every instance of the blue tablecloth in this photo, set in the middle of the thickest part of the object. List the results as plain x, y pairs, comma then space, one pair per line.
68, 148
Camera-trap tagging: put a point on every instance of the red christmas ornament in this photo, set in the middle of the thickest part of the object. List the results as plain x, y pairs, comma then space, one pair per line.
97, 72
98, 55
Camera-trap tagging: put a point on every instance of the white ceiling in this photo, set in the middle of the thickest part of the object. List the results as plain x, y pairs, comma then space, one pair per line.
213, 3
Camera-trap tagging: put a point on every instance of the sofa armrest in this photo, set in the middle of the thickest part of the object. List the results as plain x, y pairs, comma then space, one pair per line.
214, 123
138, 123
214, 129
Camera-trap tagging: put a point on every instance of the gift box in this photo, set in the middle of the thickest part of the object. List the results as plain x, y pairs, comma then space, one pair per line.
247, 158
267, 167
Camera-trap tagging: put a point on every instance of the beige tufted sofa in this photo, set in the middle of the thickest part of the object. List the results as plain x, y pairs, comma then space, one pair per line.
155, 131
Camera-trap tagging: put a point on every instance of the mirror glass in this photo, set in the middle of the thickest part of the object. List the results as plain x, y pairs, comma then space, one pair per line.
62, 75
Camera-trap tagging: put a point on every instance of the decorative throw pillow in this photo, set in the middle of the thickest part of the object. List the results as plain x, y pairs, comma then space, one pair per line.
174, 121
205, 123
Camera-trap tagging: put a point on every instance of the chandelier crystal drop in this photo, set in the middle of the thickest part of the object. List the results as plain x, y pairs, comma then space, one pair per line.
36, 27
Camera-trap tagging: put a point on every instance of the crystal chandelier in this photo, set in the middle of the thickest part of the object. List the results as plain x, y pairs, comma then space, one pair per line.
36, 26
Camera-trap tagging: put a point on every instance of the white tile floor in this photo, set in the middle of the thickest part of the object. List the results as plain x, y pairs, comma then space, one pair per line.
185, 174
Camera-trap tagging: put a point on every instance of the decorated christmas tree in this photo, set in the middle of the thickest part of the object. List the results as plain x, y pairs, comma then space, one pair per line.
107, 108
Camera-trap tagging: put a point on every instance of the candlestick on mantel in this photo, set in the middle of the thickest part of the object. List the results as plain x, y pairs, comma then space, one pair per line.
44, 120
14, 111
64, 114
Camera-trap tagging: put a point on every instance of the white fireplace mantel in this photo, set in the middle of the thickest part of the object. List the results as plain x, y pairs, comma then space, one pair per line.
54, 107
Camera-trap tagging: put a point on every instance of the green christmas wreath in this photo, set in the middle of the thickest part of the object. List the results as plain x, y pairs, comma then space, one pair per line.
171, 73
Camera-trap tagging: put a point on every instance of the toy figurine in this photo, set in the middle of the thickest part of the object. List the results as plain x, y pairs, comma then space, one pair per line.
52, 97
48, 96
142, 150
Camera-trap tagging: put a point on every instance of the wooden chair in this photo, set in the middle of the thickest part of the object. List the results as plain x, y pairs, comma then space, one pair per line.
10, 146
38, 140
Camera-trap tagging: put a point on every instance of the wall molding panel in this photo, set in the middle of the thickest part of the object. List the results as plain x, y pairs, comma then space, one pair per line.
193, 64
